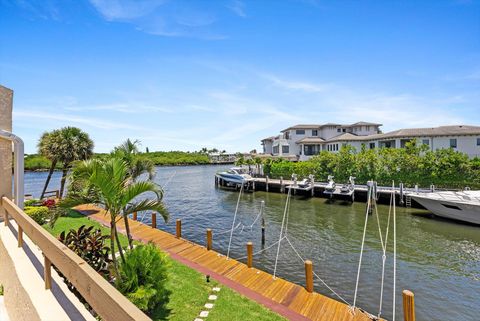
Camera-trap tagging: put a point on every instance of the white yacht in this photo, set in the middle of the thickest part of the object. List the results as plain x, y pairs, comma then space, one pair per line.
235, 175
462, 206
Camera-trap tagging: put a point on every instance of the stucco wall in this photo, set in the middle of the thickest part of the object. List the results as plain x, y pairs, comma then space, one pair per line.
6, 97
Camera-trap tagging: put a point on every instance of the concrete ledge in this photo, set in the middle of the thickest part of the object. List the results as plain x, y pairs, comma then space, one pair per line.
21, 273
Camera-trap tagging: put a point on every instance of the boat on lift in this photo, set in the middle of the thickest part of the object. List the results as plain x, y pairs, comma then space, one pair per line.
461, 206
331, 186
349, 187
234, 176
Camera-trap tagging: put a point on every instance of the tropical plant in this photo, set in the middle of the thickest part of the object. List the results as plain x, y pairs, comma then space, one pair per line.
108, 184
143, 277
65, 146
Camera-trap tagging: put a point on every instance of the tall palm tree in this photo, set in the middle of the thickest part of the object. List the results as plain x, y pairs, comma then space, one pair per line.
128, 151
74, 145
108, 184
48, 148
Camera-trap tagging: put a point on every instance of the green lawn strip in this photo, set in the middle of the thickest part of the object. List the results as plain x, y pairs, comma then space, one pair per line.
189, 288
73, 220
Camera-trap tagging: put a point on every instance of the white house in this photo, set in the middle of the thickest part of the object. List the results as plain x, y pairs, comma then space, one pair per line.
304, 141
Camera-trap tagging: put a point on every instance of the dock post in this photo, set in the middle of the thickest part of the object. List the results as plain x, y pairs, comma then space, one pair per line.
249, 254
266, 183
209, 239
253, 186
309, 276
282, 188
408, 305
401, 194
432, 188
154, 220
134, 216
178, 230
312, 179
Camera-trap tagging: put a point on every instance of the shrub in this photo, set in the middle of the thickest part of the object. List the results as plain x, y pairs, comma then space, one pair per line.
38, 213
143, 277
33, 202
90, 245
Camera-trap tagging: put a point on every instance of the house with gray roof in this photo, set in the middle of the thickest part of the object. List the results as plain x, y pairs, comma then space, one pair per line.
304, 141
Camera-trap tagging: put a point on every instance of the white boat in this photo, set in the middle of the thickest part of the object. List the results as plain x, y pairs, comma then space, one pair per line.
235, 175
462, 206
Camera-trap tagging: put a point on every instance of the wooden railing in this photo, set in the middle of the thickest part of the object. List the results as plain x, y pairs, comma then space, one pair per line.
100, 295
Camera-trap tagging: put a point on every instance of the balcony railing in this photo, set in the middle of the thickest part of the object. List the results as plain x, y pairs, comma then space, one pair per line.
100, 295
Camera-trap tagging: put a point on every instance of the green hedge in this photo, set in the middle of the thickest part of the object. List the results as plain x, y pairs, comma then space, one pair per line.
38, 213
412, 165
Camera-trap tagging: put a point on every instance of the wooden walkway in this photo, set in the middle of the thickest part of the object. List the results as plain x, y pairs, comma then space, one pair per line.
288, 299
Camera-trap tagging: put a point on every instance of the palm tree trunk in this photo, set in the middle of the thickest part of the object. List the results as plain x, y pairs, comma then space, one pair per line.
112, 248
64, 178
127, 229
50, 172
120, 249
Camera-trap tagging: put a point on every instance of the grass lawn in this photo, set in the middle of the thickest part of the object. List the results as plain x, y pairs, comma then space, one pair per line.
189, 289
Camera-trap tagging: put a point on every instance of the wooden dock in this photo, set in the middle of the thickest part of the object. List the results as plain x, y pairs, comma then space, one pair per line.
287, 299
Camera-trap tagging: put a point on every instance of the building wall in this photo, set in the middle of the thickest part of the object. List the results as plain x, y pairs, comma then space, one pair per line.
465, 144
6, 98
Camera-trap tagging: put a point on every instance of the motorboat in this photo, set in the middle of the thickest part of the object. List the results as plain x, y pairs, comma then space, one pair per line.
331, 186
235, 175
461, 206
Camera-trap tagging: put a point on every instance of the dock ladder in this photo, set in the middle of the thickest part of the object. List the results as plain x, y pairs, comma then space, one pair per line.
408, 201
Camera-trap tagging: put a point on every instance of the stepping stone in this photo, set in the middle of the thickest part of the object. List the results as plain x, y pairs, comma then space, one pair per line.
204, 314
216, 289
212, 297
209, 305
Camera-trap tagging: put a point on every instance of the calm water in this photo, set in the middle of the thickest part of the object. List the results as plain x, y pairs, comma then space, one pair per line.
438, 260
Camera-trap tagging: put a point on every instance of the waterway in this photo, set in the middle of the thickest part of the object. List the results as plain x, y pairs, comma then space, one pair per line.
439, 260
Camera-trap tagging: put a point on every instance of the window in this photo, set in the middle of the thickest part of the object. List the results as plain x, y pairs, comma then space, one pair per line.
372, 145
478, 141
300, 132
286, 135
344, 130
426, 142
453, 143
275, 149
285, 149
368, 128
314, 132
355, 129
336, 146
339, 130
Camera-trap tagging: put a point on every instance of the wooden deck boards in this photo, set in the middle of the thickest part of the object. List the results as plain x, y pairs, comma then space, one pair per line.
277, 294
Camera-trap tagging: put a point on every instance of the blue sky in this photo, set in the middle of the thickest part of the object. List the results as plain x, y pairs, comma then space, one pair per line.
180, 75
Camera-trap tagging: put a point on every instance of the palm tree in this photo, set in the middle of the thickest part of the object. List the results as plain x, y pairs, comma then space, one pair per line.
65, 146
128, 151
48, 148
137, 165
108, 184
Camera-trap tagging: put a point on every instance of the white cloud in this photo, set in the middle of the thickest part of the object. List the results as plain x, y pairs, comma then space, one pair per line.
66, 119
125, 9
238, 7
121, 108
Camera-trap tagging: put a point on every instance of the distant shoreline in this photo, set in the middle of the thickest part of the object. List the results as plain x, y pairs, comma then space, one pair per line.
43, 170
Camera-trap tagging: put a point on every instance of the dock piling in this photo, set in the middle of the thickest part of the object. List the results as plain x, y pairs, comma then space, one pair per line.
209, 239
154, 220
178, 230
266, 183
309, 276
282, 188
408, 305
249, 254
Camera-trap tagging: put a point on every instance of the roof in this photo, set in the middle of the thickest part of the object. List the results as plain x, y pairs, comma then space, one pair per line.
364, 123
302, 126
433, 131
310, 140
349, 137
268, 138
